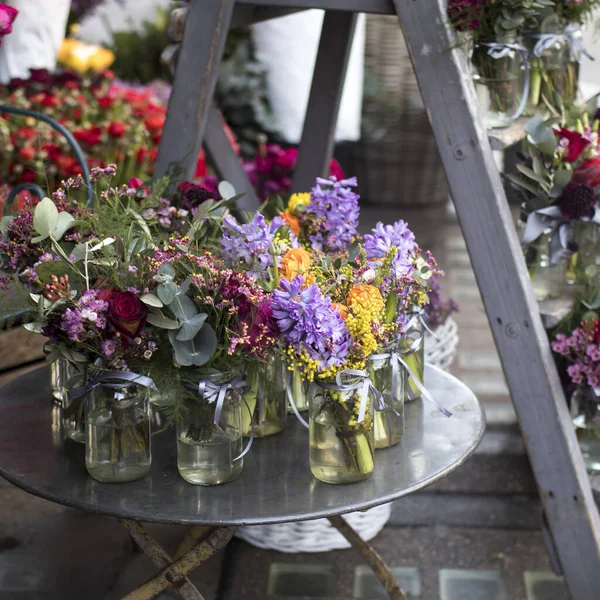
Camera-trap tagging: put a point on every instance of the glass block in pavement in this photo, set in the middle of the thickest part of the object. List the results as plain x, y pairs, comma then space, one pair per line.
544, 586
464, 584
23, 573
368, 587
313, 581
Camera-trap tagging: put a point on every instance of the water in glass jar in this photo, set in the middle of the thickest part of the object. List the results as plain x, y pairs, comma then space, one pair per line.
589, 442
388, 428
337, 460
117, 448
210, 462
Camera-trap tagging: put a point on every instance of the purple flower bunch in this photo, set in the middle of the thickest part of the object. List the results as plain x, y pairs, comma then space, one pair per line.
310, 324
87, 319
332, 214
383, 238
438, 310
249, 245
581, 348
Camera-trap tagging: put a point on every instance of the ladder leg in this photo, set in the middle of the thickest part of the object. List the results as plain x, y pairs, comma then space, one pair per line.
513, 314
195, 80
318, 135
227, 163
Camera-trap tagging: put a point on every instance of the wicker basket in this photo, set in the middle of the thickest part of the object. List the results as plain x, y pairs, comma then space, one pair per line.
317, 535
397, 160
440, 352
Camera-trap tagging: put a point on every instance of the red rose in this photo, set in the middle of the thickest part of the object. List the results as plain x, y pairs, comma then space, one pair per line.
105, 101
577, 144
154, 122
116, 129
127, 313
27, 153
588, 172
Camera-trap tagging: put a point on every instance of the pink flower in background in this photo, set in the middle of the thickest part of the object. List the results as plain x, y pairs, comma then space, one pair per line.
7, 15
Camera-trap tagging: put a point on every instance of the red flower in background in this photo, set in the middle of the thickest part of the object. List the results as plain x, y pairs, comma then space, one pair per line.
116, 129
577, 144
201, 169
154, 122
588, 172
90, 136
7, 16
27, 153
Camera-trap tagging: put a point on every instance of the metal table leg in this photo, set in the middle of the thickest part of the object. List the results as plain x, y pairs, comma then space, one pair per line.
174, 572
371, 557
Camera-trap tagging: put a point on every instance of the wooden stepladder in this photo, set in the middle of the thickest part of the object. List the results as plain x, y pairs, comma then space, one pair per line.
481, 206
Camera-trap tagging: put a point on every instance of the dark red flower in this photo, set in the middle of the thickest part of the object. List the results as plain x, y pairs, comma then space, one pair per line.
105, 101
28, 176
7, 15
192, 195
116, 129
52, 150
105, 293
577, 200
577, 144
135, 183
336, 170
264, 324
588, 172
154, 122
127, 313
201, 169
145, 154
90, 136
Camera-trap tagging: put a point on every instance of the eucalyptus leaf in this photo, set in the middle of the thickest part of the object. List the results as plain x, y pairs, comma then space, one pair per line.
165, 273
65, 222
191, 327
45, 217
46, 269
4, 223
184, 287
33, 327
203, 210
159, 320
151, 300
226, 190
166, 292
195, 352
183, 308
529, 173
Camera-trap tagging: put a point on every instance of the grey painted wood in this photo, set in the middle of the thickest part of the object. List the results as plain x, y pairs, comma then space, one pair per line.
226, 161
496, 256
318, 134
195, 79
246, 15
378, 7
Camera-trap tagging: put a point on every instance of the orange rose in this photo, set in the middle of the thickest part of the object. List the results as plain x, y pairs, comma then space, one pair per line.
295, 262
366, 296
292, 222
341, 308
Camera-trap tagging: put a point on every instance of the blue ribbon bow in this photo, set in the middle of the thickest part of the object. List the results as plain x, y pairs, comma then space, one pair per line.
116, 380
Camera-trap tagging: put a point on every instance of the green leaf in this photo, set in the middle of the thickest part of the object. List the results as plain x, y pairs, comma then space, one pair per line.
140, 221
65, 222
159, 320
166, 292
529, 173
203, 210
48, 268
226, 190
191, 327
45, 217
33, 327
195, 352
4, 223
183, 308
165, 274
184, 287
353, 251
151, 300
522, 183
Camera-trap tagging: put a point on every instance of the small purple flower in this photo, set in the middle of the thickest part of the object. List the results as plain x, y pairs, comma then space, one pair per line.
333, 212
108, 347
249, 244
383, 238
308, 322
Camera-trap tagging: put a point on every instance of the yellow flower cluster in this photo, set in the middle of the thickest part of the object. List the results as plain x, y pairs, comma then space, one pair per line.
307, 366
82, 57
298, 203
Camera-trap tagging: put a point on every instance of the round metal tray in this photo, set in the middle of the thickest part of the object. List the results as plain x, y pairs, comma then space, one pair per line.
276, 484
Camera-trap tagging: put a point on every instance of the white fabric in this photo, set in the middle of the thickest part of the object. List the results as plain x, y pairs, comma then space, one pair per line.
288, 46
37, 34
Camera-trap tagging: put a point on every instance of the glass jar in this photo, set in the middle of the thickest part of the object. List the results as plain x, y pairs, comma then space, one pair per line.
412, 349
388, 379
341, 450
548, 280
117, 433
266, 397
575, 51
209, 453
548, 52
65, 376
61, 370
298, 388
585, 411
587, 237
497, 81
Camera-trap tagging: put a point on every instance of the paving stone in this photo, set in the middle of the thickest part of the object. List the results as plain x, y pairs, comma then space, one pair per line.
459, 584
306, 580
368, 587
467, 510
544, 586
498, 412
475, 360
486, 383
503, 440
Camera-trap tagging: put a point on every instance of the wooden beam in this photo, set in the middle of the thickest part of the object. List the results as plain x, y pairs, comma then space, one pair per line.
206, 29
376, 7
318, 134
247, 15
227, 162
504, 284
